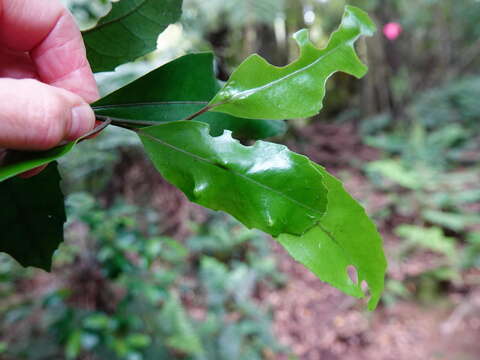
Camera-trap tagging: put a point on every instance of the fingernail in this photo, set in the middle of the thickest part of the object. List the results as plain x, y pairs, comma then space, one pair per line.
83, 120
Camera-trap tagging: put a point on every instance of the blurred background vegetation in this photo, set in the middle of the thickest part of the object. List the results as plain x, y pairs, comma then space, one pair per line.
146, 275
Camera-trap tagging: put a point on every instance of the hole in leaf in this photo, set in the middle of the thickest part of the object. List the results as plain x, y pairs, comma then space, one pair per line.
365, 288
366, 291
352, 273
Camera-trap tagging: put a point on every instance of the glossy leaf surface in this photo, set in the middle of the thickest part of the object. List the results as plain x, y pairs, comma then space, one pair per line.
17, 162
345, 236
32, 223
177, 90
260, 90
128, 31
264, 186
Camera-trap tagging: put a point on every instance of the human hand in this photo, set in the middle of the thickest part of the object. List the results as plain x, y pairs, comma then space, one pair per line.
45, 80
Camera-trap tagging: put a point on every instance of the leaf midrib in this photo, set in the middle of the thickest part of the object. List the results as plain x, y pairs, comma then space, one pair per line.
120, 18
149, 103
250, 92
199, 158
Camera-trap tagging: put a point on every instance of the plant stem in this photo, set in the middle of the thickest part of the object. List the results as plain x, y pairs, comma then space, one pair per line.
92, 132
97, 129
124, 123
199, 112
205, 109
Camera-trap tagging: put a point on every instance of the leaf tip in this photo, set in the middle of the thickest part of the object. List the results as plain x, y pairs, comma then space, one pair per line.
360, 19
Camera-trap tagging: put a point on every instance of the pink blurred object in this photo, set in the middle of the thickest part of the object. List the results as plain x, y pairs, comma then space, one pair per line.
392, 30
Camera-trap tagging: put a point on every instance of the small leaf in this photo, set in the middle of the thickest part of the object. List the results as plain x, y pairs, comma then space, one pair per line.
264, 186
175, 91
345, 236
128, 31
180, 333
432, 238
260, 90
17, 162
32, 217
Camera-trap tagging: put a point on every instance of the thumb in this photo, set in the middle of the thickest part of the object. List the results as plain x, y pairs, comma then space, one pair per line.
36, 116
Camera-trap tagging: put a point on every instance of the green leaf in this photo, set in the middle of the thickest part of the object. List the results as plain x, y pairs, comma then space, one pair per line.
32, 217
17, 162
454, 221
180, 333
397, 172
431, 238
264, 186
344, 237
243, 128
128, 31
188, 79
73, 345
260, 90
175, 91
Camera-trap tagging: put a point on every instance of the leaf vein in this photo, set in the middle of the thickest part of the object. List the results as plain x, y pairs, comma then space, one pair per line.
120, 18
249, 92
199, 158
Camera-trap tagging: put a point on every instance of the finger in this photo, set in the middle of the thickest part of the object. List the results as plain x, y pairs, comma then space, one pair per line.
26, 23
36, 116
48, 31
16, 65
61, 60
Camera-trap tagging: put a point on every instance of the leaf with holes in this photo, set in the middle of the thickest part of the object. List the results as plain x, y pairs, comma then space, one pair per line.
259, 90
265, 186
344, 236
128, 31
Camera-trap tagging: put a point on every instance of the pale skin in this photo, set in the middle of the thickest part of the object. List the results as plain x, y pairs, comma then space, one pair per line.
46, 82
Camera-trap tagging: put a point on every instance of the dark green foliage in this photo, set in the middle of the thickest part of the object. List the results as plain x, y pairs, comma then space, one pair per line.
145, 280
172, 93
32, 210
128, 31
